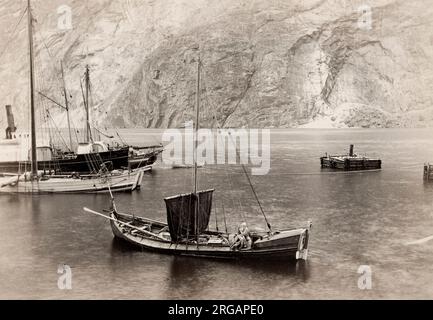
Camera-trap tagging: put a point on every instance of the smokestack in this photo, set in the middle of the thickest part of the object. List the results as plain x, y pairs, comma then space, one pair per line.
11, 123
351, 150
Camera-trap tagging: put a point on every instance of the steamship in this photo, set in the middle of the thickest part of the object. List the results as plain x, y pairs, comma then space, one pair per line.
15, 155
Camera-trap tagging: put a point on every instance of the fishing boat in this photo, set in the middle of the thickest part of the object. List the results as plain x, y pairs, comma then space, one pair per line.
36, 181
350, 162
187, 229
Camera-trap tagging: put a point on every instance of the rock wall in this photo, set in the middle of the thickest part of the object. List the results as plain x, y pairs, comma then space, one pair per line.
265, 63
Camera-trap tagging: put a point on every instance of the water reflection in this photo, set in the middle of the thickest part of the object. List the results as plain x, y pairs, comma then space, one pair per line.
357, 219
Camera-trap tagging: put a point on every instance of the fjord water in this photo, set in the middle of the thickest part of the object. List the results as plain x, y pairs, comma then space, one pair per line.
358, 219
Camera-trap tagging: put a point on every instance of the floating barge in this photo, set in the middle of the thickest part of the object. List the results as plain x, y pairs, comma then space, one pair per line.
350, 162
428, 172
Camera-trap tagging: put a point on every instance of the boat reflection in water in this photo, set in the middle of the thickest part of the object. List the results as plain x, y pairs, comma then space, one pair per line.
185, 278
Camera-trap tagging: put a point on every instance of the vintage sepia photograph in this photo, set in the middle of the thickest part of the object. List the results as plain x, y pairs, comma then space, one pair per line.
182, 150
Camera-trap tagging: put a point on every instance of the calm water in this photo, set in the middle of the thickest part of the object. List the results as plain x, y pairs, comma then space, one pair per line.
358, 219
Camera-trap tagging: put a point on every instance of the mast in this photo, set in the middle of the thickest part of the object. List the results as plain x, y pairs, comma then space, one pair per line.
197, 117
32, 88
86, 104
67, 107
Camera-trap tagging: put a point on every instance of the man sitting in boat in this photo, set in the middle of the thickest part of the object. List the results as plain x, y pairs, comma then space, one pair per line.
242, 239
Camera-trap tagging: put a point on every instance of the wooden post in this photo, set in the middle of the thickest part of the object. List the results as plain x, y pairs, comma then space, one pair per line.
428, 172
32, 96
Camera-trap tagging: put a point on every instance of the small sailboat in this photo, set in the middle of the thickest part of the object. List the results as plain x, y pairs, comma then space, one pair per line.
186, 231
36, 181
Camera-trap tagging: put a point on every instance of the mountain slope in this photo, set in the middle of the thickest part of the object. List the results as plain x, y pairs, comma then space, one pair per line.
265, 63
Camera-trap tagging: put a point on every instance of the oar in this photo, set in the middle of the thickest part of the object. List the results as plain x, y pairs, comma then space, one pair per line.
124, 223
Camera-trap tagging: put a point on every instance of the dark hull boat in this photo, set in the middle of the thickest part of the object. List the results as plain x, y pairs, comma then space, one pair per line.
86, 159
350, 162
153, 236
186, 233
83, 163
80, 163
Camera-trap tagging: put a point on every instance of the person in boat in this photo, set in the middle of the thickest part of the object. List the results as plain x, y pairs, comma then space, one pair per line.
242, 239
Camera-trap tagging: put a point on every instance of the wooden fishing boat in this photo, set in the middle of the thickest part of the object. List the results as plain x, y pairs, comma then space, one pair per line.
155, 236
163, 238
350, 162
187, 229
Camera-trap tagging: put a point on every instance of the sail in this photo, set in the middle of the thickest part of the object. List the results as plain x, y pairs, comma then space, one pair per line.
181, 214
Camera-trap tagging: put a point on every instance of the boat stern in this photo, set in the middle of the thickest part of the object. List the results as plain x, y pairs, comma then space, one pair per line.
302, 252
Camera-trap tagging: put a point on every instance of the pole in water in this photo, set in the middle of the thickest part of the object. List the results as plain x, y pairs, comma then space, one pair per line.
32, 96
67, 108
197, 126
87, 105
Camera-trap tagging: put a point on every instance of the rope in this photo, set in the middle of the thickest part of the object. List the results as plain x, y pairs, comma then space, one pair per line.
255, 195
13, 32
243, 217
243, 166
224, 215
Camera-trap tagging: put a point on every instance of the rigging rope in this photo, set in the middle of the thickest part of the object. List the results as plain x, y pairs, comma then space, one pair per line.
241, 212
243, 167
13, 32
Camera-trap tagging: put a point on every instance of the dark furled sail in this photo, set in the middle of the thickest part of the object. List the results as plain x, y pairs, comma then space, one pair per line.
181, 215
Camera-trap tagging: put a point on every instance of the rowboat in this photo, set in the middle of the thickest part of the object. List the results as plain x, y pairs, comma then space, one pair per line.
291, 244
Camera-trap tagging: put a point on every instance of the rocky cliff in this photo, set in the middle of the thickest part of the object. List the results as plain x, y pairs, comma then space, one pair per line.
278, 63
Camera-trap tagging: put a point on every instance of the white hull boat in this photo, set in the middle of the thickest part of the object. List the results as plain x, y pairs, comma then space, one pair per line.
115, 182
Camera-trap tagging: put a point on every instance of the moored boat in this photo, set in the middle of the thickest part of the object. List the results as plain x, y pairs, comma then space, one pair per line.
36, 182
44, 184
156, 236
350, 162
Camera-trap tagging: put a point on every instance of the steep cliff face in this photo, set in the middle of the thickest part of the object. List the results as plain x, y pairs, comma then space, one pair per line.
265, 63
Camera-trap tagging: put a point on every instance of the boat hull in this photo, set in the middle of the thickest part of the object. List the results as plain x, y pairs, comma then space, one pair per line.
81, 163
350, 163
123, 182
288, 245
